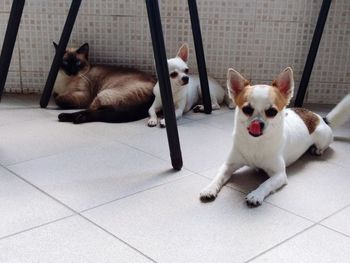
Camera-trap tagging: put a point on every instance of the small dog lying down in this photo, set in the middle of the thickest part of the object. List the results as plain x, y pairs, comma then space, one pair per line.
268, 136
111, 94
186, 90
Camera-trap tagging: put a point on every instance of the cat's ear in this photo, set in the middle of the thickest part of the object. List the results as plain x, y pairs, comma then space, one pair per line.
84, 49
55, 45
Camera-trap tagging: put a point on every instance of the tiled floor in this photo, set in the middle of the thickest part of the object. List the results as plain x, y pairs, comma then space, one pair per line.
102, 192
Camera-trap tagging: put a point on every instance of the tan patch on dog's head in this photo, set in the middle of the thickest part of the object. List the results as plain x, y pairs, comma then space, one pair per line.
283, 87
278, 98
238, 87
310, 119
241, 98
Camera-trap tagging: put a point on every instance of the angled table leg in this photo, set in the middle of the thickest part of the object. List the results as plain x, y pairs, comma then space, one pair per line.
10, 40
198, 44
62, 45
164, 82
321, 21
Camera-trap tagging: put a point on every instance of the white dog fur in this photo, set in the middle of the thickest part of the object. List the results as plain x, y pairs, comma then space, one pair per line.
272, 143
186, 90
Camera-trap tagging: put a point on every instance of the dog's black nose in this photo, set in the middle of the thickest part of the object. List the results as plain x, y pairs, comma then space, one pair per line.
185, 79
262, 125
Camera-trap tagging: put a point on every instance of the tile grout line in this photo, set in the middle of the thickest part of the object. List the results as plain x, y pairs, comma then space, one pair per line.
74, 213
280, 243
116, 237
306, 229
132, 194
334, 213
35, 227
334, 230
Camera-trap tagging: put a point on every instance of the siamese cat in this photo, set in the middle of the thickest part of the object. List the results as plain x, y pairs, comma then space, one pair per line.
109, 93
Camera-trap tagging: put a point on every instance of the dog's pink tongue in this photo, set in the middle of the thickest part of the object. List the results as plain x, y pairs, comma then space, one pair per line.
255, 128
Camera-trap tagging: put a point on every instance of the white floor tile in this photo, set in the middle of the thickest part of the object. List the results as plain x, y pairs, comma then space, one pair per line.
315, 189
317, 244
72, 240
13, 115
170, 224
340, 221
33, 139
203, 147
338, 153
86, 177
23, 207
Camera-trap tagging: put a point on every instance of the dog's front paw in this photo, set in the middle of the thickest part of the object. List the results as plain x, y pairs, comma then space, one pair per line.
152, 122
162, 123
255, 198
208, 194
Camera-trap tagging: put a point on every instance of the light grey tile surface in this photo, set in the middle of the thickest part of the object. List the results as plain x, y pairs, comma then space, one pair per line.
40, 137
89, 176
182, 229
22, 206
197, 142
313, 189
339, 221
70, 240
121, 173
317, 244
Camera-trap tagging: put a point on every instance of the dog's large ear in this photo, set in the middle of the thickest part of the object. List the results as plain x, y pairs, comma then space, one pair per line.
235, 82
55, 45
183, 52
285, 83
84, 49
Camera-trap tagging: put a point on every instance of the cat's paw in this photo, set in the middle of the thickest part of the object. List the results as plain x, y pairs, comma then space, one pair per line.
65, 117
81, 118
152, 122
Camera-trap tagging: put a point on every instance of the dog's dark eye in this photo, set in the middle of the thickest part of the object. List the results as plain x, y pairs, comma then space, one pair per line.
248, 110
78, 63
186, 71
65, 62
173, 74
271, 112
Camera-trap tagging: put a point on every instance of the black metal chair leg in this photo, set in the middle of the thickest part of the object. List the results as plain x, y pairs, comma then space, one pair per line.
321, 21
62, 45
164, 82
198, 44
10, 40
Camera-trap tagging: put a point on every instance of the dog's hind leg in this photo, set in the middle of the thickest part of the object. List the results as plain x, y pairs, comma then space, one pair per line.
322, 137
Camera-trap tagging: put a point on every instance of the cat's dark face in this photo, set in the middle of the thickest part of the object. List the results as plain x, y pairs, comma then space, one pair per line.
75, 60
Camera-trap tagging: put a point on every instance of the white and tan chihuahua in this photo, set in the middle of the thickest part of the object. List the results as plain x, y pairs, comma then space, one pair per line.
268, 136
186, 90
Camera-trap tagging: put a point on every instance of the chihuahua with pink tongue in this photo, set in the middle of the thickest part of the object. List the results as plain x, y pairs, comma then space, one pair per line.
270, 137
